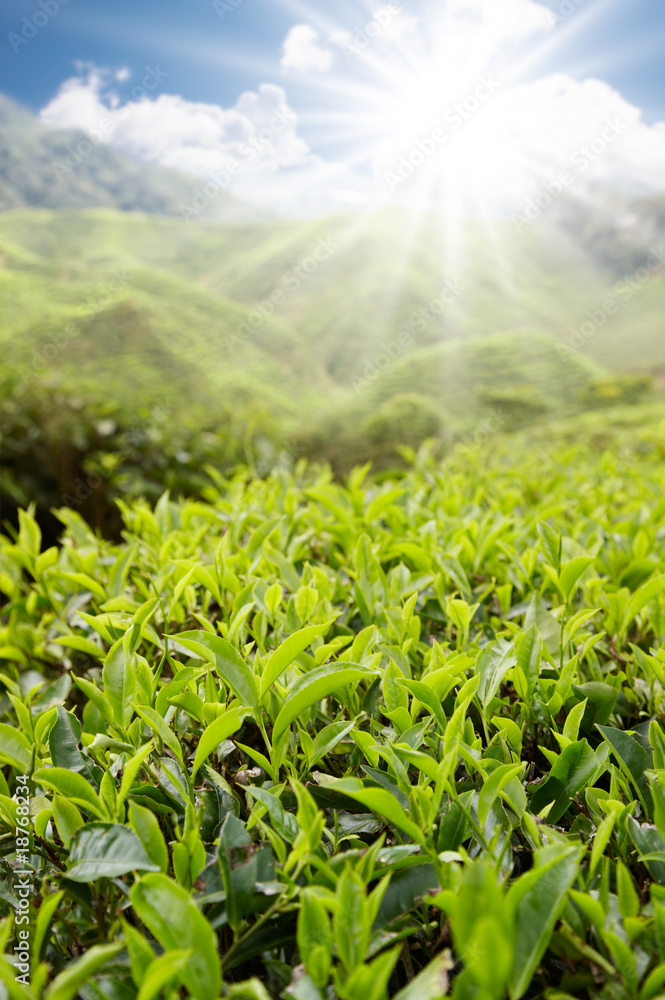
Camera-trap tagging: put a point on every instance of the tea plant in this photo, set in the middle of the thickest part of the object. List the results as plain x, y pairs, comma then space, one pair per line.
297, 739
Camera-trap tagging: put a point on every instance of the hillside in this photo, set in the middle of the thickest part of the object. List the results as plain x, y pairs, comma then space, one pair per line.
367, 290
381, 273
256, 350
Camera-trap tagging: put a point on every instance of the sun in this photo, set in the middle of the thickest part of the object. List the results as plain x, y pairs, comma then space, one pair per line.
443, 115
458, 123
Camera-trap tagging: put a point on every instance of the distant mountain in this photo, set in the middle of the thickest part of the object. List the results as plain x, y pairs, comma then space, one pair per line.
620, 232
52, 168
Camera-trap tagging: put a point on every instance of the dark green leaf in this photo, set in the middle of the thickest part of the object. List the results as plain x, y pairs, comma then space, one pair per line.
106, 850
537, 899
63, 744
633, 760
574, 767
173, 918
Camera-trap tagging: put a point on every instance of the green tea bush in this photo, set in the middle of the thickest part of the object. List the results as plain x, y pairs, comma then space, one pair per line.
518, 407
73, 448
620, 389
404, 419
302, 739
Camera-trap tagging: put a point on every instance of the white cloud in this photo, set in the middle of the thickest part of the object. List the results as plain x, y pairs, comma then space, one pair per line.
500, 151
389, 23
521, 140
259, 133
584, 127
301, 51
395, 23
503, 151
502, 20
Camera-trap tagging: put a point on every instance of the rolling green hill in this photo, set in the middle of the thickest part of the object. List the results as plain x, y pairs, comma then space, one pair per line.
196, 285
381, 273
400, 330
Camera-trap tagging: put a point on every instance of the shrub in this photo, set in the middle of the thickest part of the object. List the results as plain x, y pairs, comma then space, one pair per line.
518, 407
404, 419
399, 738
618, 390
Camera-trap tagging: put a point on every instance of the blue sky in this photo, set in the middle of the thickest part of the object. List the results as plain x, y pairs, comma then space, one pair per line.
624, 43
343, 104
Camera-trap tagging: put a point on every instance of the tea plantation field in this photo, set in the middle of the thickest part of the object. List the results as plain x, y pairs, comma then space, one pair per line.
401, 737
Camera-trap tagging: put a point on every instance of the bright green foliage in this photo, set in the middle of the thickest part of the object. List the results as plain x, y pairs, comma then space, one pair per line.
398, 738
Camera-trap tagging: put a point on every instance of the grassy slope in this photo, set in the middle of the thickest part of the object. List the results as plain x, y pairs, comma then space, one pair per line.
545, 279
166, 332
189, 287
